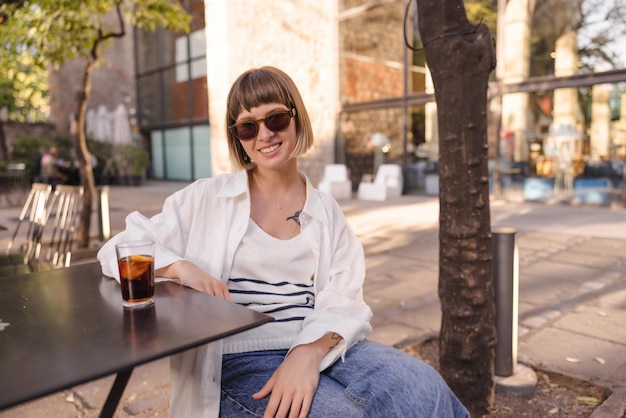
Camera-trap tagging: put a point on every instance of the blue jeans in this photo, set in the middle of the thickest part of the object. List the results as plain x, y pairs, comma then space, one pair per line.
374, 381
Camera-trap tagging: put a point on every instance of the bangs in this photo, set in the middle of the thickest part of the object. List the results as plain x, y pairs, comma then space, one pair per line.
257, 88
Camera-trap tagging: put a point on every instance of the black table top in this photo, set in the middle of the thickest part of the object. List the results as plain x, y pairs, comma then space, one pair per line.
64, 327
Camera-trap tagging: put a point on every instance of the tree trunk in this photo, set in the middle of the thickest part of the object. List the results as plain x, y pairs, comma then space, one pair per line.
461, 57
84, 158
4, 149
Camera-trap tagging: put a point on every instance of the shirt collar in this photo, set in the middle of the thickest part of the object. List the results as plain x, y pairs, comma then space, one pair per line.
237, 184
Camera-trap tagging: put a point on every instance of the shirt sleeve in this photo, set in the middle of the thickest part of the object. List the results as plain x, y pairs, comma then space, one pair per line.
339, 304
168, 229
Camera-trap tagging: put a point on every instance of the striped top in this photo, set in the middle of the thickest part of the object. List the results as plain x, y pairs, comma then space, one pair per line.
275, 277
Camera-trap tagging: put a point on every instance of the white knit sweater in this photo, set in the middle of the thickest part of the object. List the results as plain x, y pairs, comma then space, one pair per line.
275, 277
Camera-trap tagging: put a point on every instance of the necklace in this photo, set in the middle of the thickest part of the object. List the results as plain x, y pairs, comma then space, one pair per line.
279, 205
296, 215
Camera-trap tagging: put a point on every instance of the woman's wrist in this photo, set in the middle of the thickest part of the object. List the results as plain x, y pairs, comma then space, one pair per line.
173, 271
324, 345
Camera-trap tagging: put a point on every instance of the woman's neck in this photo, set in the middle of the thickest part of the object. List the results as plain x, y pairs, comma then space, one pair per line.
273, 183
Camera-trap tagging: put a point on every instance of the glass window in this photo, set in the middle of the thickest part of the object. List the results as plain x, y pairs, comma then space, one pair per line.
174, 96
201, 151
147, 51
198, 68
178, 151
156, 144
172, 92
149, 99
192, 48
197, 41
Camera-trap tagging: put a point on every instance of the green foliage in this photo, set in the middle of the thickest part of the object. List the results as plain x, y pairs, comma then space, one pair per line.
54, 31
65, 147
482, 11
27, 148
42, 32
101, 150
119, 159
134, 159
23, 86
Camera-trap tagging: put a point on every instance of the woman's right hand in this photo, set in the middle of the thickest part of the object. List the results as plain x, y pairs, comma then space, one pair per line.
190, 275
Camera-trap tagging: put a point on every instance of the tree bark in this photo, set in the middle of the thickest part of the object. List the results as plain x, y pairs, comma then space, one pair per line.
84, 158
4, 149
461, 57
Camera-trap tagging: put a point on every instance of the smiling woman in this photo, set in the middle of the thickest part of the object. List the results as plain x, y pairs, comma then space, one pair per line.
264, 238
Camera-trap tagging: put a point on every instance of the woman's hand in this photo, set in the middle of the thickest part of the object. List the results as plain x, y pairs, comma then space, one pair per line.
293, 384
190, 275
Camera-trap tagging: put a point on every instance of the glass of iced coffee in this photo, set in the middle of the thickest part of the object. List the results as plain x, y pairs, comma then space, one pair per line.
135, 260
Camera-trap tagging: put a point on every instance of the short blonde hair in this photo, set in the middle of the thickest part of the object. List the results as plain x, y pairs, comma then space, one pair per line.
260, 86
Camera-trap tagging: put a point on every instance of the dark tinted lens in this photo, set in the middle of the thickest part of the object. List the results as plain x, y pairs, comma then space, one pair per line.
246, 130
278, 121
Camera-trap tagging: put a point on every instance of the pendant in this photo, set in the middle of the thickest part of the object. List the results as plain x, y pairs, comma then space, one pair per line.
295, 217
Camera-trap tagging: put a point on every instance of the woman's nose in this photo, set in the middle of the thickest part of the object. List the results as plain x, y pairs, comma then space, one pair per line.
264, 132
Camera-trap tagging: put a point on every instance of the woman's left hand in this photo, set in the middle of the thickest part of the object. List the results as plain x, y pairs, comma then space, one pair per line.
293, 384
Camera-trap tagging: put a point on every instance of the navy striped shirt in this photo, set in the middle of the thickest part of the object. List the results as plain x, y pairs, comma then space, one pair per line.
275, 277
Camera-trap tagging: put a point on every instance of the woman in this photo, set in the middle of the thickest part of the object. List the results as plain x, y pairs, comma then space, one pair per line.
263, 237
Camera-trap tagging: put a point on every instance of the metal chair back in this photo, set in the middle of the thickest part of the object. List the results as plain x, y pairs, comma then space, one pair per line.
65, 206
23, 249
44, 235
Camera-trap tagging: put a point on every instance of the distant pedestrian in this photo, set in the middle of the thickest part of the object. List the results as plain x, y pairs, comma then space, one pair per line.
37, 165
50, 168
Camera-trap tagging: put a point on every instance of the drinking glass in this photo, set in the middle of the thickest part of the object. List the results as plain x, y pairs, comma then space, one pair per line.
135, 260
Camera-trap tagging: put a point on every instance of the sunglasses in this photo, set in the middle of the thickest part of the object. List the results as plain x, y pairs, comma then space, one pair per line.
275, 122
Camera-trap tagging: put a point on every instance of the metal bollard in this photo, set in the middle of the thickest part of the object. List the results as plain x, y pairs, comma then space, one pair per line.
506, 291
104, 219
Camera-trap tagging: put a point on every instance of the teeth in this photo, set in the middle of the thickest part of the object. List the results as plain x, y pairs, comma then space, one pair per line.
270, 149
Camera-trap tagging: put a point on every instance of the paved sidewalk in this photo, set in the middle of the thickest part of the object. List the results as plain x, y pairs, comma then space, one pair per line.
572, 295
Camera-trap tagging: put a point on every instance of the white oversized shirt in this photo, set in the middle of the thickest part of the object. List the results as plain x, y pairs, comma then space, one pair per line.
204, 223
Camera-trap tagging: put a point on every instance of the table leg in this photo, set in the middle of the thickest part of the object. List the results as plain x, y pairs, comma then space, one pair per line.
116, 393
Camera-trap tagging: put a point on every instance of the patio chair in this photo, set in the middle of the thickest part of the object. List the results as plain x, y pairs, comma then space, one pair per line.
33, 250
387, 183
25, 243
336, 182
66, 204
14, 184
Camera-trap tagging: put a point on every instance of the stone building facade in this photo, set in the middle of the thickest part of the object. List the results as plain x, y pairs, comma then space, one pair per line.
299, 37
336, 53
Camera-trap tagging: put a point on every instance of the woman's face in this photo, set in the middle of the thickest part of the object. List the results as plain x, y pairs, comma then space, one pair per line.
268, 149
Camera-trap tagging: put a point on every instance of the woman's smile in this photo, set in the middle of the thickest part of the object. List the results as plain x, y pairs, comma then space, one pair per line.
271, 148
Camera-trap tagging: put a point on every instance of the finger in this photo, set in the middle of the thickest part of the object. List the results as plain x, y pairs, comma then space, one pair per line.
306, 406
271, 410
265, 390
224, 293
284, 407
296, 409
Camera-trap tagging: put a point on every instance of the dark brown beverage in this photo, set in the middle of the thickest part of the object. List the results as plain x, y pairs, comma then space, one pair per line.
137, 278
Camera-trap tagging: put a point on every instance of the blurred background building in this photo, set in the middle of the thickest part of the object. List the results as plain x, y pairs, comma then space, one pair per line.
557, 112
